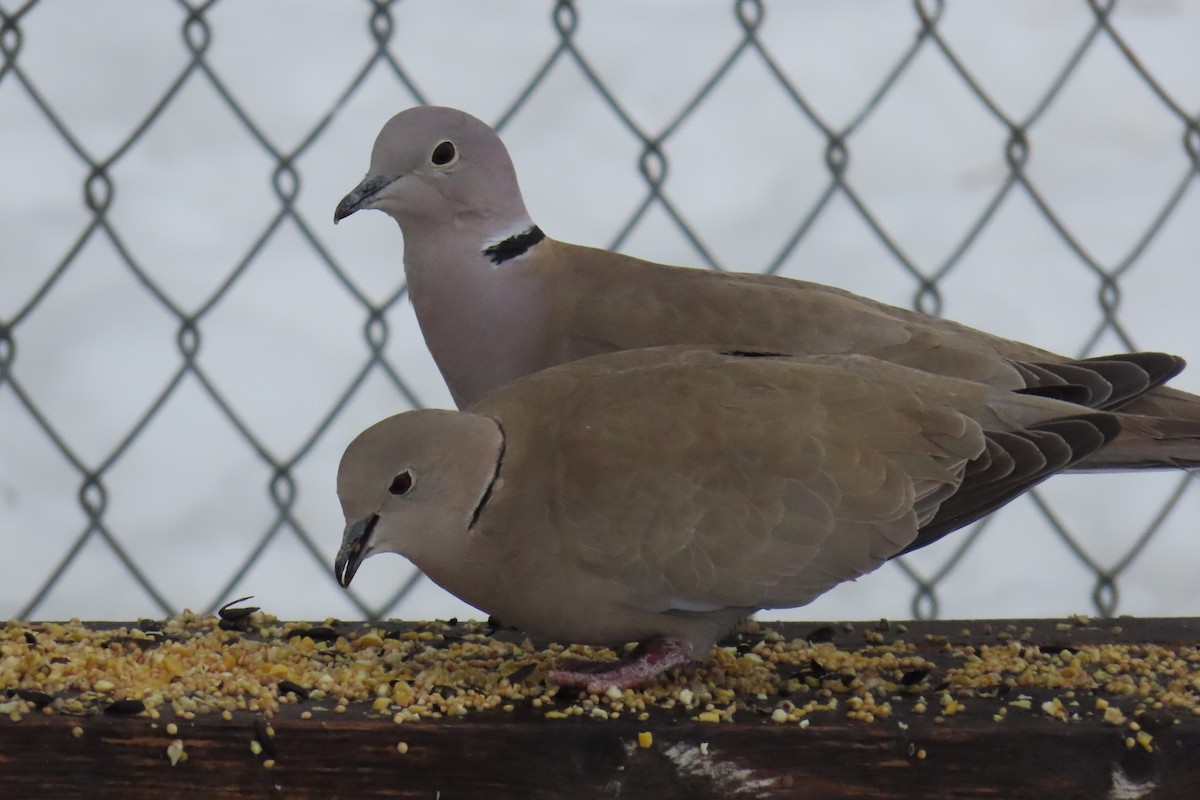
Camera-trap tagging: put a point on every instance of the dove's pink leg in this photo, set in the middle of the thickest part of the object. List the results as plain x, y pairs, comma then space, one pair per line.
642, 668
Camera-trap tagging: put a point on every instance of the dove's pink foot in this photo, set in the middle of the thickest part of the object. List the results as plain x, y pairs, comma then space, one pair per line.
643, 667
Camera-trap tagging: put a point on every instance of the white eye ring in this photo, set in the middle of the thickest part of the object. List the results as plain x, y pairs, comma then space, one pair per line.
445, 154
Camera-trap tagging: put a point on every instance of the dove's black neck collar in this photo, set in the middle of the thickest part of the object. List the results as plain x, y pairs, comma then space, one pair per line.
515, 245
487, 493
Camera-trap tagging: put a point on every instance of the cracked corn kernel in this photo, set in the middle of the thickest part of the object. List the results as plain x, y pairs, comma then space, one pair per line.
172, 729
1055, 708
369, 639
645, 738
951, 707
402, 747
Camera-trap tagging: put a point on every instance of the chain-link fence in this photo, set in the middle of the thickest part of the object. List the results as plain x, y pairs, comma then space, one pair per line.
186, 343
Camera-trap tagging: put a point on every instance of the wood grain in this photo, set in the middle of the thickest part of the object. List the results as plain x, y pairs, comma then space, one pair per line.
522, 754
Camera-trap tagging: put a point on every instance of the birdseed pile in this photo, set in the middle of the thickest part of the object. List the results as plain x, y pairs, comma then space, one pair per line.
406, 672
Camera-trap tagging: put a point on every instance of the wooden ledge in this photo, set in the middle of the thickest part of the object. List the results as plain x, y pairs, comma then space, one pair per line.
940, 737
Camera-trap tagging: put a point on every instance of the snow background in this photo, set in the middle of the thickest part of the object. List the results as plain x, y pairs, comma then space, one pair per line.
189, 498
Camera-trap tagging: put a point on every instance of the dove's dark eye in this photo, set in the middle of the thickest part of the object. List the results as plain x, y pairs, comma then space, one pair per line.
445, 153
401, 483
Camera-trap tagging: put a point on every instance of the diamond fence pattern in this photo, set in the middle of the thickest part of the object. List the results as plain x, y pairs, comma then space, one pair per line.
556, 33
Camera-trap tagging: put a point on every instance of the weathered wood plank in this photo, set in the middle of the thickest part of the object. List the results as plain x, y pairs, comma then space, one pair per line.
500, 758
496, 754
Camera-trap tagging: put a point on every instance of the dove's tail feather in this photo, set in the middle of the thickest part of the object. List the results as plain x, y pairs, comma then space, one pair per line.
1161, 424
1147, 443
1105, 383
1014, 462
1165, 402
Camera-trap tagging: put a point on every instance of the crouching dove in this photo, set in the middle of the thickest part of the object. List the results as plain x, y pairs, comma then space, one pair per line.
663, 495
496, 299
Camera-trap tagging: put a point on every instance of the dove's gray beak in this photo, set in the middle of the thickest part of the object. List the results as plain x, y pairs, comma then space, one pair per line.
355, 549
361, 196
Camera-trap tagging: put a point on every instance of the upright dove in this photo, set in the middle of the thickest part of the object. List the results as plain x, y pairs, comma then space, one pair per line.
497, 299
662, 495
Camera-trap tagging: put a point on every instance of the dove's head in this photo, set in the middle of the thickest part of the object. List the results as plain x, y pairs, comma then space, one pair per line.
436, 166
415, 484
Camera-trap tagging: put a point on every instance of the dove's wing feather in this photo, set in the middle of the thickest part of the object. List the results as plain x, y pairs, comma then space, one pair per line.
709, 481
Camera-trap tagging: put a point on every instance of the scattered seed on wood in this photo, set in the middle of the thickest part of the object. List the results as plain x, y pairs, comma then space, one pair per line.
263, 737
823, 634
814, 669
287, 687
234, 619
321, 633
39, 699
521, 673
125, 708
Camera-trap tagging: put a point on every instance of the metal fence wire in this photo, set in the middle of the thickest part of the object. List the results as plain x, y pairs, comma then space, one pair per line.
179, 370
